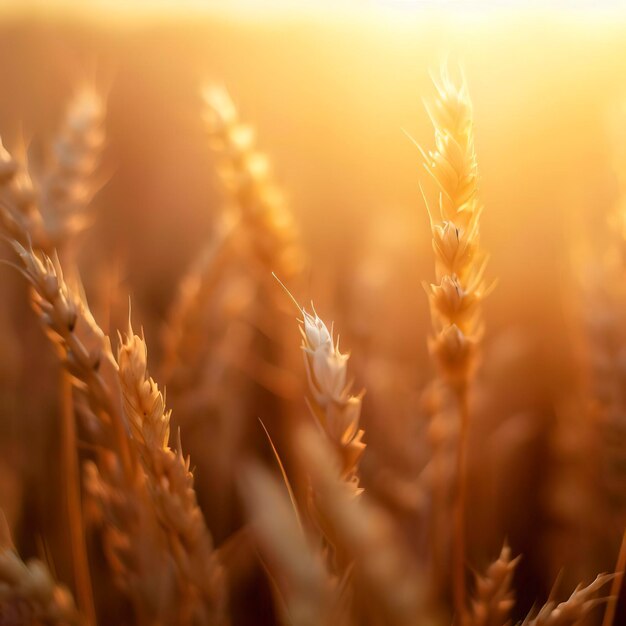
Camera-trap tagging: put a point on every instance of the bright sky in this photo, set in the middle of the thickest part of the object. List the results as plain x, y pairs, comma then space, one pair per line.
276, 8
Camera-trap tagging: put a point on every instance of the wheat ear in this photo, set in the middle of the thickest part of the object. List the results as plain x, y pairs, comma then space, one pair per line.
336, 409
21, 214
572, 611
49, 212
134, 542
28, 591
172, 484
494, 597
459, 265
68, 183
45, 210
245, 172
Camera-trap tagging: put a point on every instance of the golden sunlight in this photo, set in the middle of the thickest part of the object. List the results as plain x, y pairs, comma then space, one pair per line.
313, 313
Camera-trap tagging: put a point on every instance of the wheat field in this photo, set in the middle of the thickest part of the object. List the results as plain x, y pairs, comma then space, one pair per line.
312, 316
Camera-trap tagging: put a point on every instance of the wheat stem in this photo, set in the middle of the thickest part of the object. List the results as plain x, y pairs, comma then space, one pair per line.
80, 560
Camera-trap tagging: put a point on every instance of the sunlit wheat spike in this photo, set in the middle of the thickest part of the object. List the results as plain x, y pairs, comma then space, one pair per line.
336, 409
460, 264
459, 269
83, 348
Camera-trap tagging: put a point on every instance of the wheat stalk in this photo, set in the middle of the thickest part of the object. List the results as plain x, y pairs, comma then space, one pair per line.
267, 239
459, 265
459, 262
336, 411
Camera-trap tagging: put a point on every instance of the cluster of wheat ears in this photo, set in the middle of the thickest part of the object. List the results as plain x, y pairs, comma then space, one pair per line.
331, 554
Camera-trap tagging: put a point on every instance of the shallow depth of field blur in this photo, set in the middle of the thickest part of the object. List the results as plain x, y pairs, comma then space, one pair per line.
334, 95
